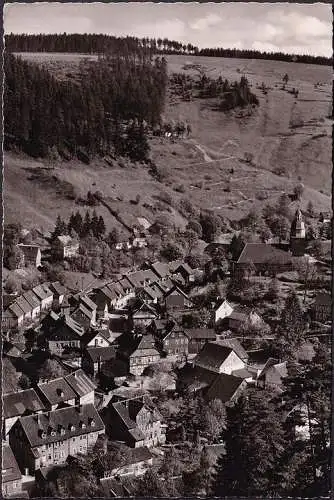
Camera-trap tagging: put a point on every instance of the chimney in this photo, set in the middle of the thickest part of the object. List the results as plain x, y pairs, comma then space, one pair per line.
26, 471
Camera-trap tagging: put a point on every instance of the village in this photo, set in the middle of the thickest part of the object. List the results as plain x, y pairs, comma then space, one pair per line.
113, 366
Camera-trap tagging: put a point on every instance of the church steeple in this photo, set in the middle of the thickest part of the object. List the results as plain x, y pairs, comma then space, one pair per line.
298, 235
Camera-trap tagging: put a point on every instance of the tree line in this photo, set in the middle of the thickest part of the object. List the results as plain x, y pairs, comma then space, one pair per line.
109, 112
98, 43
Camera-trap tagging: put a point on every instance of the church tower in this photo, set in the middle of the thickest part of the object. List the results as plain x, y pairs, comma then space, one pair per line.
298, 235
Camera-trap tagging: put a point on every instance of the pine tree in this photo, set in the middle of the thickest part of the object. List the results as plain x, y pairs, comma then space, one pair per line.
94, 224
101, 227
254, 442
86, 226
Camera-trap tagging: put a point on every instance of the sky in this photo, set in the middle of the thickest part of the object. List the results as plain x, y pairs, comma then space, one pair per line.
286, 27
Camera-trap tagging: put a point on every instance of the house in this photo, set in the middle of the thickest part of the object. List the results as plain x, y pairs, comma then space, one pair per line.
272, 374
242, 316
25, 307
160, 269
65, 335
210, 384
84, 316
12, 318
142, 315
185, 271
173, 342
222, 310
55, 393
136, 464
11, 477
9, 383
322, 308
137, 422
175, 300
263, 259
44, 295
218, 358
94, 358
58, 291
150, 294
83, 387
234, 344
49, 438
96, 338
105, 299
138, 351
17, 404
32, 255
34, 303
65, 247
197, 337
144, 223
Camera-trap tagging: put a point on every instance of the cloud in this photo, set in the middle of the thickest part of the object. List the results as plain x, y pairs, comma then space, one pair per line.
174, 29
206, 22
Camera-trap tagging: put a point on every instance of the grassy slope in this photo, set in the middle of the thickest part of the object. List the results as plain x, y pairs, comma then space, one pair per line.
218, 143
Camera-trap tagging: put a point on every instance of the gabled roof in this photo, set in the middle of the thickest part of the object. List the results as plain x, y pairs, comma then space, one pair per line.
81, 418
175, 289
196, 378
42, 291
57, 391
80, 383
82, 310
272, 364
102, 353
323, 299
261, 253
57, 288
160, 269
66, 328
224, 387
16, 310
23, 304
235, 345
17, 403
140, 308
31, 298
152, 292
9, 465
66, 240
213, 355
185, 267
200, 333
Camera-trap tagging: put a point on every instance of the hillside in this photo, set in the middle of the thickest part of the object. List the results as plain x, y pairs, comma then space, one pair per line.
288, 138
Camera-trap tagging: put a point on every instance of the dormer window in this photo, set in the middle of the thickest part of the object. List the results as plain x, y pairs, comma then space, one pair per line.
42, 433
61, 430
91, 422
82, 425
60, 392
71, 427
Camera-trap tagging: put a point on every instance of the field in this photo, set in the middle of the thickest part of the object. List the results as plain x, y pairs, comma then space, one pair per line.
288, 138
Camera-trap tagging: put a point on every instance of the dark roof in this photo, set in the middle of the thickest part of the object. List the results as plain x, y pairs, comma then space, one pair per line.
31, 298
323, 299
80, 383
213, 355
223, 387
185, 267
17, 403
16, 310
9, 465
57, 391
261, 253
88, 303
66, 328
153, 292
23, 304
200, 333
57, 288
240, 313
195, 377
103, 353
129, 411
30, 251
177, 289
235, 345
160, 269
33, 425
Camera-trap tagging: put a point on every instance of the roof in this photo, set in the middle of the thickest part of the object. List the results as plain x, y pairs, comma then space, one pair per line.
323, 299
235, 345
23, 304
65, 240
224, 387
17, 403
160, 269
16, 310
88, 302
42, 291
261, 253
146, 224
80, 417
30, 251
213, 355
102, 353
153, 292
80, 383
65, 328
9, 465
57, 288
31, 298
57, 391
185, 267
174, 289
273, 364
200, 333
196, 378
240, 313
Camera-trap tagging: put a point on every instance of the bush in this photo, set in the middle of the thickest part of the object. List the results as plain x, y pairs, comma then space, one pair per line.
180, 188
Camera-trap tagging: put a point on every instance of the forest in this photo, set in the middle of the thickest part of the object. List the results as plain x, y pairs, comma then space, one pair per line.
108, 112
98, 43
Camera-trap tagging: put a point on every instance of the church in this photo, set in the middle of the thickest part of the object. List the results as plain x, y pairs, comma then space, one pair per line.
298, 235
